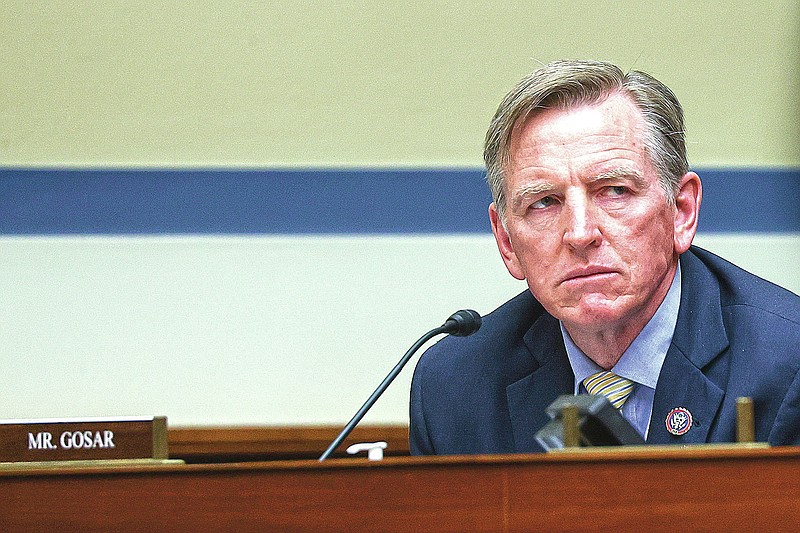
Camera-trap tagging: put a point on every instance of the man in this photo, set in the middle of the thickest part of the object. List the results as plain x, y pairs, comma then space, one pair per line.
595, 207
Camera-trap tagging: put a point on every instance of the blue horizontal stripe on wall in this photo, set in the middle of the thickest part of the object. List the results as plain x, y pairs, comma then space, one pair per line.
325, 201
226, 201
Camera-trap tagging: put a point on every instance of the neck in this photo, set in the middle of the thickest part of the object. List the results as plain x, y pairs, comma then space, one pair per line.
604, 347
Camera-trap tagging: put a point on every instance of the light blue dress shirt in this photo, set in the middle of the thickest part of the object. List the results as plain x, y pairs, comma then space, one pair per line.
641, 362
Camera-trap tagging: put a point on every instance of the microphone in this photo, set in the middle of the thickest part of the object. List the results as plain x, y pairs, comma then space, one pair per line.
460, 324
463, 323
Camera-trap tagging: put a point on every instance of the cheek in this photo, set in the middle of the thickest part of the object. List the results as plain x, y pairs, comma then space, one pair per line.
648, 251
543, 264
537, 253
646, 234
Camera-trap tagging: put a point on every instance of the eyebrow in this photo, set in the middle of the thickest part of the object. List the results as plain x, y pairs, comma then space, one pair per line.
532, 189
620, 173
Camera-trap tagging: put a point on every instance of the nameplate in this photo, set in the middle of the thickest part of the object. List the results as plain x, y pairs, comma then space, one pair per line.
69, 439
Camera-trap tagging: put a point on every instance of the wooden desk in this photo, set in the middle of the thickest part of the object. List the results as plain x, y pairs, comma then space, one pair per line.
657, 490
272, 443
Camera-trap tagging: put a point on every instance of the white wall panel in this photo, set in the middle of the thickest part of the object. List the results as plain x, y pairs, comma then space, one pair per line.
249, 330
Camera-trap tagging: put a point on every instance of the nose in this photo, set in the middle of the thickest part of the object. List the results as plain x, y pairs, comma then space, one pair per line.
581, 229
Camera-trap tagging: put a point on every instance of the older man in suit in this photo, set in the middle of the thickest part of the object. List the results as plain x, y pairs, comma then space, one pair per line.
595, 207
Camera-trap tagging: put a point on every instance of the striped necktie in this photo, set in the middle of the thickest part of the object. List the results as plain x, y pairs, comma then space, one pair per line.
615, 388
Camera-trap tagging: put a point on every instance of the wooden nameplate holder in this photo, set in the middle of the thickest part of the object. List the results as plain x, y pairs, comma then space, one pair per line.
90, 441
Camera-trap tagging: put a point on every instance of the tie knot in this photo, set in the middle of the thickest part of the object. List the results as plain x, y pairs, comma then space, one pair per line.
608, 384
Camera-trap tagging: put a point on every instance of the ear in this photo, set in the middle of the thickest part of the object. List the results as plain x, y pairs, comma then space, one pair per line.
504, 244
687, 210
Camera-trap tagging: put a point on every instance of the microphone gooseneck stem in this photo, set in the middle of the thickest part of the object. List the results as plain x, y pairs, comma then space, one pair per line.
380, 390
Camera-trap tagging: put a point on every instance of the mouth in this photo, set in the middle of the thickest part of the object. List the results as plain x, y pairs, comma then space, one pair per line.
592, 273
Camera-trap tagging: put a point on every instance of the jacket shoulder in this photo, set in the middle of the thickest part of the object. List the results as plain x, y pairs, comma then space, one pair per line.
740, 288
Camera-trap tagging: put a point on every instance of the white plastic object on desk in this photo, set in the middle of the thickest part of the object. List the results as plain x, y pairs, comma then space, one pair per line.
374, 449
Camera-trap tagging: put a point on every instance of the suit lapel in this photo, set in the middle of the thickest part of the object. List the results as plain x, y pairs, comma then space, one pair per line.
529, 396
699, 340
682, 384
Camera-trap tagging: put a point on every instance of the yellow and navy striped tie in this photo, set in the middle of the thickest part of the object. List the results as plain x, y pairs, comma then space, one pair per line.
615, 388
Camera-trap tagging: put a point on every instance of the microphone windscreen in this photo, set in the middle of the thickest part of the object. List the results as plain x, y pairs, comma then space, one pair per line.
462, 323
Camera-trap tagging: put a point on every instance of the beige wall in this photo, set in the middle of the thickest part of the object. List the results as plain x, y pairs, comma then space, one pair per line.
360, 83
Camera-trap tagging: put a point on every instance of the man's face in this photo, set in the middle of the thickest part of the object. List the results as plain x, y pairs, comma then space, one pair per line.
587, 223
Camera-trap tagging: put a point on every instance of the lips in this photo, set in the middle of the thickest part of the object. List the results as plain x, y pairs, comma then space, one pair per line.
587, 274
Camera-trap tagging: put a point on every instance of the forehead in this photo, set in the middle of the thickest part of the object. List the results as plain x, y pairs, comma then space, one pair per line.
614, 126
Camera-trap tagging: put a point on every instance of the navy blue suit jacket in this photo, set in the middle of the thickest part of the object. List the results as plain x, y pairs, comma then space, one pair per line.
736, 335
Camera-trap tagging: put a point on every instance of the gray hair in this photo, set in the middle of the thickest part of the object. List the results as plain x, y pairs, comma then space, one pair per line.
569, 83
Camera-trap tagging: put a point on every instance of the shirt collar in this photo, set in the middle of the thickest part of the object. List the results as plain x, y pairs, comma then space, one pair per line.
643, 359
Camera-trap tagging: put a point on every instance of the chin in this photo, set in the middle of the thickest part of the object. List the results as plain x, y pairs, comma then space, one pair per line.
590, 315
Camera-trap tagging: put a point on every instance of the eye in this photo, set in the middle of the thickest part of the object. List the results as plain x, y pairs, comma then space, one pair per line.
616, 191
543, 203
